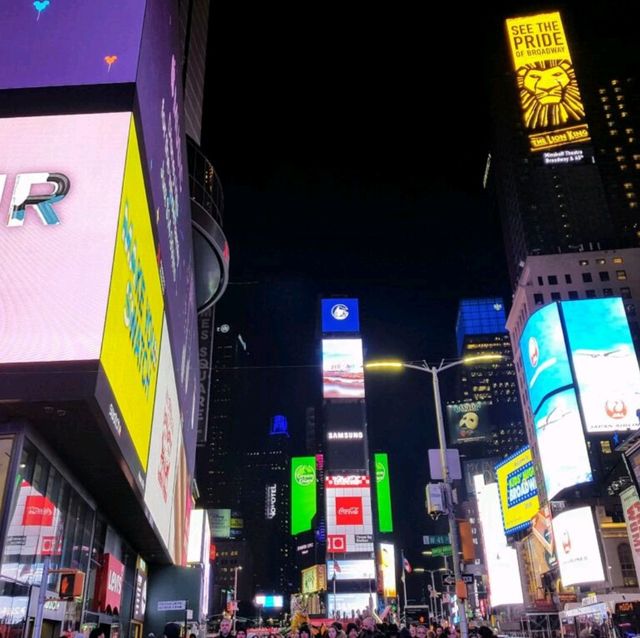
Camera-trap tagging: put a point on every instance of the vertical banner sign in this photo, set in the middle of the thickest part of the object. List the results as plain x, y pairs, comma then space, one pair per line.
550, 99
631, 509
383, 493
205, 354
303, 493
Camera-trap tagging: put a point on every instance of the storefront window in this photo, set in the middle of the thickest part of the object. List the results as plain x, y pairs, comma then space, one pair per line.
48, 518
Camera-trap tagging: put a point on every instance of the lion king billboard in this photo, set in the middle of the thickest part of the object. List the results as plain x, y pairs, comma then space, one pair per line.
550, 99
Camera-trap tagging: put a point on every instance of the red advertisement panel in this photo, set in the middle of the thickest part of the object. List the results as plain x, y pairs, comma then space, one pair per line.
349, 510
109, 584
38, 510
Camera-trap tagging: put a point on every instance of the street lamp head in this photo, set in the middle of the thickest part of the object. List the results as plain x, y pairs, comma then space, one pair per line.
384, 365
482, 357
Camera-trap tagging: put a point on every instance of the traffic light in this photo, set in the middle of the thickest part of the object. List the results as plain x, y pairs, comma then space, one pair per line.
71, 585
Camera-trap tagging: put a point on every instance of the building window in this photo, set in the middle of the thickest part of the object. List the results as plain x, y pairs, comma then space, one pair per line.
553, 280
625, 292
540, 281
627, 568
604, 275
586, 277
605, 446
607, 292
573, 294
618, 260
538, 298
621, 275
630, 309
567, 279
555, 296
591, 294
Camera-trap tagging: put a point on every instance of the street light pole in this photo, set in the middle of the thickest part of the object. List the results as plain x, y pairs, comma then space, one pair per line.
442, 443
235, 594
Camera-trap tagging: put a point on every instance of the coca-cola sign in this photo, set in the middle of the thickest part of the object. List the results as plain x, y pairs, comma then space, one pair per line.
349, 510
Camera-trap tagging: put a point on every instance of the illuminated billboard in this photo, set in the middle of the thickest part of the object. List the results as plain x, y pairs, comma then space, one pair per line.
345, 604
342, 371
387, 562
159, 97
519, 501
58, 44
605, 363
550, 100
166, 437
469, 421
383, 492
544, 355
349, 514
303, 493
133, 328
220, 520
53, 308
340, 315
631, 510
558, 429
501, 560
577, 547
314, 579
351, 569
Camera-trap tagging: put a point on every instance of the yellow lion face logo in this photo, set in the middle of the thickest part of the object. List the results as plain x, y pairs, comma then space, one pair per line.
549, 94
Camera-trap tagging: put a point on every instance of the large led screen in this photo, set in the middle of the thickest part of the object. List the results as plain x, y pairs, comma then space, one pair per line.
166, 438
544, 355
342, 371
387, 562
159, 95
347, 604
383, 492
469, 421
345, 451
50, 43
519, 501
60, 187
605, 363
631, 510
559, 429
501, 560
349, 513
577, 547
133, 328
351, 569
303, 493
550, 99
340, 315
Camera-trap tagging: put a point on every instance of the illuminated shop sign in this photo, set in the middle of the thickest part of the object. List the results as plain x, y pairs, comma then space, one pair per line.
567, 156
270, 500
518, 490
345, 436
550, 100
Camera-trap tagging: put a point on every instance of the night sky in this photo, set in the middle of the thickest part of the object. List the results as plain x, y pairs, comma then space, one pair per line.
351, 143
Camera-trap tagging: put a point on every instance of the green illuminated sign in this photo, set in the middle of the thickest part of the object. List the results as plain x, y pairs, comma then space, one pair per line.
383, 493
303, 493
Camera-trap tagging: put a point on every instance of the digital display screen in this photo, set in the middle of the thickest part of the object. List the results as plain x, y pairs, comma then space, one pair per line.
387, 562
558, 429
544, 355
349, 513
383, 492
577, 547
133, 328
342, 369
303, 493
469, 421
518, 490
605, 363
49, 43
53, 305
351, 569
340, 315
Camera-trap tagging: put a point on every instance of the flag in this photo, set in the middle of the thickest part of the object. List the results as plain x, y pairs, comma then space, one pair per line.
336, 567
406, 565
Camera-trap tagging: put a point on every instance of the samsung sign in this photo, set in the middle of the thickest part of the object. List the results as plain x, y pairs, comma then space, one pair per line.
340, 315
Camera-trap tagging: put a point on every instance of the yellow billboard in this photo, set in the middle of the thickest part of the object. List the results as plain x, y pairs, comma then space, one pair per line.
550, 99
133, 328
518, 490
314, 579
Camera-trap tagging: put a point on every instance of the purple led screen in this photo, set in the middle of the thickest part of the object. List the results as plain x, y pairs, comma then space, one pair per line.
63, 43
159, 92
